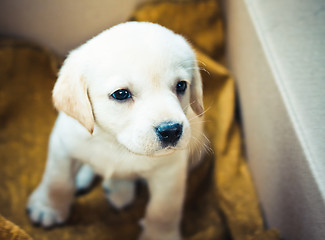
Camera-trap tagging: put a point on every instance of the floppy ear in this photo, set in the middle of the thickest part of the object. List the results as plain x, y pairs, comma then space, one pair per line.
70, 93
197, 92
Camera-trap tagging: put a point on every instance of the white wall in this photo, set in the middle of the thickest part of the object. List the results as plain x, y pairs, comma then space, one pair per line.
59, 24
276, 51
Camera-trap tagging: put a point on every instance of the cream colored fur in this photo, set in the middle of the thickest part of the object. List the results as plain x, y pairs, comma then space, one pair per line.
117, 139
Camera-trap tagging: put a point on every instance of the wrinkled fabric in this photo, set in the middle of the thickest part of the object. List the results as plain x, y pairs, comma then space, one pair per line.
9, 230
221, 202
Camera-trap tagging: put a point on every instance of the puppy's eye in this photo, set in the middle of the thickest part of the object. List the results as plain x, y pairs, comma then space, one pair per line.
181, 87
121, 94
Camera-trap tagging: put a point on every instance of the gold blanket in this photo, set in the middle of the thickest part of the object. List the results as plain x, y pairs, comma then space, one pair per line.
221, 201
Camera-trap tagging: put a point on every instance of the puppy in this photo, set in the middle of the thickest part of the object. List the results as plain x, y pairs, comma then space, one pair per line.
130, 106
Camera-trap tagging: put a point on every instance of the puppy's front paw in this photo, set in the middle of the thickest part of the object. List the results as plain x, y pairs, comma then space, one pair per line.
46, 212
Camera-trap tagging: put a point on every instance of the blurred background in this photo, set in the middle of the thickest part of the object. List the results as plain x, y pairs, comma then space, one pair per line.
62, 25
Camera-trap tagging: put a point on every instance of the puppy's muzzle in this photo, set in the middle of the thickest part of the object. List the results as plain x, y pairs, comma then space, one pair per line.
169, 133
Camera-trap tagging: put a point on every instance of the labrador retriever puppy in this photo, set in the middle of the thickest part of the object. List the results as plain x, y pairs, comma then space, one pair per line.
130, 106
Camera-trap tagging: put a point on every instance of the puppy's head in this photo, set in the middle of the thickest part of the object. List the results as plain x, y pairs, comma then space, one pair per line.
135, 81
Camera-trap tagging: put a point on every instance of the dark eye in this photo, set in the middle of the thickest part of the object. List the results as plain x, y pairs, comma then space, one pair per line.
181, 87
121, 94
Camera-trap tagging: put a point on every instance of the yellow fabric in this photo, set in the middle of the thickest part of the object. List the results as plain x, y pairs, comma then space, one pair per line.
8, 230
221, 202
199, 21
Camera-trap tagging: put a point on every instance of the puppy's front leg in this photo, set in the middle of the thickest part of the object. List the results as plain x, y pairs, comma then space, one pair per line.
163, 213
49, 204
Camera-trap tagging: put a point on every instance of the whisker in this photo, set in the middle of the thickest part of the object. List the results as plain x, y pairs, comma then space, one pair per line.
202, 121
197, 143
198, 149
199, 115
201, 69
189, 104
203, 63
207, 141
202, 145
194, 60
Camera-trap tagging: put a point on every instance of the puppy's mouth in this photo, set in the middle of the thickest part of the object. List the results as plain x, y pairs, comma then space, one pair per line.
168, 138
164, 151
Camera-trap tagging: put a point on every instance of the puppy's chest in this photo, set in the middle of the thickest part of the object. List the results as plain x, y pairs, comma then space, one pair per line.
111, 160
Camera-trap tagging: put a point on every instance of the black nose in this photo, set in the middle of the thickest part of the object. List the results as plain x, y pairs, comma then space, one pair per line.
169, 133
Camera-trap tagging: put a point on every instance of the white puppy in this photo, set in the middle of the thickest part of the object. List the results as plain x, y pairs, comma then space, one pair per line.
130, 103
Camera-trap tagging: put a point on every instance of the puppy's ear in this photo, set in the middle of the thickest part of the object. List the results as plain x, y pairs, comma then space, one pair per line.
70, 93
197, 92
